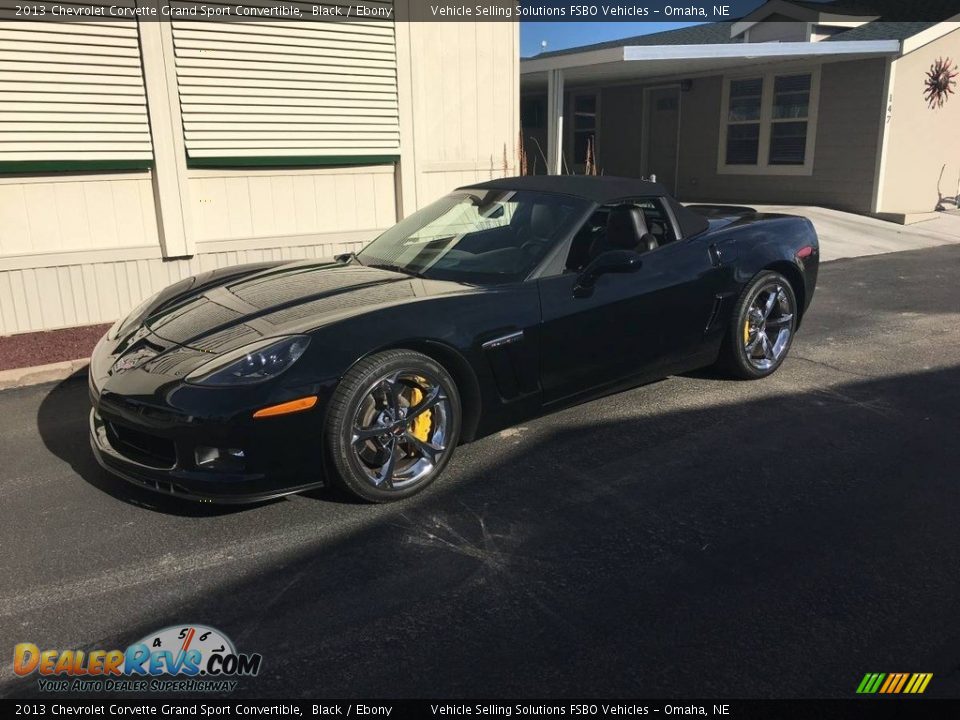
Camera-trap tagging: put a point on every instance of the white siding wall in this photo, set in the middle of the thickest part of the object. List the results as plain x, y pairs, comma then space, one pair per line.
75, 213
236, 205
81, 249
100, 291
466, 106
923, 144
463, 101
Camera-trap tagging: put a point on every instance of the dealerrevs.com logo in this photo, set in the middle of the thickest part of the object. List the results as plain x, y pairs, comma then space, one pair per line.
178, 658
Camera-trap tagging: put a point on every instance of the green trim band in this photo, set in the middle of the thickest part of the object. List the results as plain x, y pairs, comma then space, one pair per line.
54, 166
275, 161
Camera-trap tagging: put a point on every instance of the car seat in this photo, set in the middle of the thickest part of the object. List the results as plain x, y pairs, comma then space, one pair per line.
626, 230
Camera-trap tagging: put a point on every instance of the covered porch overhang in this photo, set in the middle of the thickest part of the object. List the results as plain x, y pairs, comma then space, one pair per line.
639, 63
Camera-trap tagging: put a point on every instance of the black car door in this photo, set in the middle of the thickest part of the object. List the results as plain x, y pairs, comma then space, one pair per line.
636, 324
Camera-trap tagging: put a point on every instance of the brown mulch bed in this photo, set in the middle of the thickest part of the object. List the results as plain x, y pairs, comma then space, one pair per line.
41, 348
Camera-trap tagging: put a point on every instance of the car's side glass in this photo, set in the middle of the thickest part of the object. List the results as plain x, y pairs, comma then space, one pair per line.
584, 243
658, 220
591, 240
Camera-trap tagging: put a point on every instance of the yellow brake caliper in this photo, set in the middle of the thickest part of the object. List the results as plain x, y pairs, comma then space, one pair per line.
420, 427
746, 331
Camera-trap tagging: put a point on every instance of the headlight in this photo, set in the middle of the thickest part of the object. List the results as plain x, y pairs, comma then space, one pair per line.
251, 364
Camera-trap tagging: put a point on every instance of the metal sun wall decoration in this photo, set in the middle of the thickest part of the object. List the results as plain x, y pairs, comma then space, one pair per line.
939, 83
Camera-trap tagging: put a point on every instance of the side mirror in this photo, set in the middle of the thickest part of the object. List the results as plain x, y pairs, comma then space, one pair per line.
612, 261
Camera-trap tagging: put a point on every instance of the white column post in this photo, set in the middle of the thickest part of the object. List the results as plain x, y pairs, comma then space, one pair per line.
554, 122
405, 173
171, 188
883, 137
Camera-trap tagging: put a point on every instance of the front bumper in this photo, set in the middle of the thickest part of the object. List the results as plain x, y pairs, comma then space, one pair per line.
198, 485
147, 428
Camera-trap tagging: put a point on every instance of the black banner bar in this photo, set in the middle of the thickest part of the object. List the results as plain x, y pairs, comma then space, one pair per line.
854, 709
430, 10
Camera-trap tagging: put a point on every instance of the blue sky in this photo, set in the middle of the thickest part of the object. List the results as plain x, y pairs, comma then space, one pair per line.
562, 35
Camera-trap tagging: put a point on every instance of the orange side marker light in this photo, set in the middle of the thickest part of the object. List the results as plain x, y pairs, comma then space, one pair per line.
288, 407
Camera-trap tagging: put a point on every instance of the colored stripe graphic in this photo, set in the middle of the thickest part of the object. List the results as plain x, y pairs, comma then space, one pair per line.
891, 678
897, 686
870, 683
894, 683
910, 683
918, 683
901, 681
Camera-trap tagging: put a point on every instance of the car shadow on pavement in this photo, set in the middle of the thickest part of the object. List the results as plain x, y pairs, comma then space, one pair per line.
63, 423
705, 551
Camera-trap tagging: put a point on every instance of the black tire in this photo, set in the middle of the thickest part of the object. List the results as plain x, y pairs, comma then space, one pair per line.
370, 397
736, 360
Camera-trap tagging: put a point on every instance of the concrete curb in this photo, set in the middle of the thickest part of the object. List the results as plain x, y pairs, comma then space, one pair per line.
38, 374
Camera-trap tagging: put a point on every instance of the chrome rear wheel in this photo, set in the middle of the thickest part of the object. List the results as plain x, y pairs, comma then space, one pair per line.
761, 328
768, 326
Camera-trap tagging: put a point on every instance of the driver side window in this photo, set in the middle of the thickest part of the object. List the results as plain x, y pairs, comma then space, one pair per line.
642, 225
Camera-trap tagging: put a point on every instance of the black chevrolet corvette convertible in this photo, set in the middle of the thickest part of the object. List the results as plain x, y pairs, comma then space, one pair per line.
499, 302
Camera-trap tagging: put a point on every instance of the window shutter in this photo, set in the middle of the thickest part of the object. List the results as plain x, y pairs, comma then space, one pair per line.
277, 91
71, 93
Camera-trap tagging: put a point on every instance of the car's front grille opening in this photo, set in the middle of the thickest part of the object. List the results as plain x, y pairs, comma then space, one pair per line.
166, 487
142, 448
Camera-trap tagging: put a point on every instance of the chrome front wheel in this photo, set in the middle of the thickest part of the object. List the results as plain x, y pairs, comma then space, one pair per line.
400, 429
393, 424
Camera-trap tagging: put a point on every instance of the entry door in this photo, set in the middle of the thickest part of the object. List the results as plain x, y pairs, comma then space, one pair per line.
639, 324
663, 131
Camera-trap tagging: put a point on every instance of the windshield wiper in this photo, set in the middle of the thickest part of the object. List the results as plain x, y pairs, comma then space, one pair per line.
396, 268
347, 258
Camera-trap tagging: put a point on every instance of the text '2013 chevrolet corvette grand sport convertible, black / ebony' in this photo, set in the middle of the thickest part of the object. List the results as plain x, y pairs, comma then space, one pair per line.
497, 303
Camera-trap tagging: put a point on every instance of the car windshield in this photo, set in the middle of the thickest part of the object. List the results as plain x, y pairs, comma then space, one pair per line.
477, 236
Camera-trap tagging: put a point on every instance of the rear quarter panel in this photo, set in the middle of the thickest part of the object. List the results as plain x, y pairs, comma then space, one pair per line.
759, 241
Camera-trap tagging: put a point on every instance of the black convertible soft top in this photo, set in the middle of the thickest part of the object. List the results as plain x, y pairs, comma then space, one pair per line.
601, 189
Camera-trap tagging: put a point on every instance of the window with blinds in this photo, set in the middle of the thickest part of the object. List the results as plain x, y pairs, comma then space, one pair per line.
769, 123
287, 93
71, 94
788, 133
743, 121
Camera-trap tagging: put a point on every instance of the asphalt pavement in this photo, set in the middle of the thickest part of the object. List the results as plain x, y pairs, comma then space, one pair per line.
695, 537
